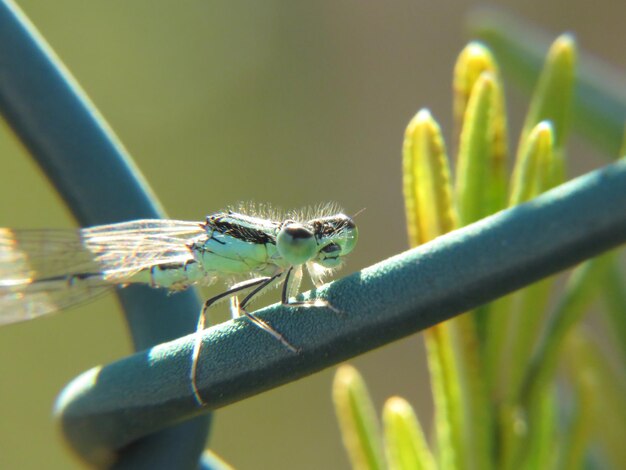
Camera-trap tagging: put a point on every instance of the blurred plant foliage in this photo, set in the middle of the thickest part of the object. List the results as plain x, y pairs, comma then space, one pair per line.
518, 383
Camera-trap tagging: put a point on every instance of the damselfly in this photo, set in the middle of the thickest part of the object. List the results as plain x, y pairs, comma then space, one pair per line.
43, 271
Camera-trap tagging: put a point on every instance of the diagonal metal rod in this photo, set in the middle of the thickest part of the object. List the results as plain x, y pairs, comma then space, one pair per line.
109, 407
96, 177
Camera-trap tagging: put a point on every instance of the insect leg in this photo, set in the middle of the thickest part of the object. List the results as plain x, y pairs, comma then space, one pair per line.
202, 321
261, 323
302, 303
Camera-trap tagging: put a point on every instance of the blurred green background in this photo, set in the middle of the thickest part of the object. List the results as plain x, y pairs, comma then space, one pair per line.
291, 103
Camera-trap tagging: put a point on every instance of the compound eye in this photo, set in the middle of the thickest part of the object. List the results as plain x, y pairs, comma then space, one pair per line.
332, 249
330, 256
351, 234
296, 243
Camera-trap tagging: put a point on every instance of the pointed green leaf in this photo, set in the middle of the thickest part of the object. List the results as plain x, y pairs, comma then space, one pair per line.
533, 169
426, 176
614, 288
473, 61
553, 96
480, 191
510, 333
430, 213
600, 101
533, 174
582, 287
481, 167
360, 429
607, 388
446, 386
538, 450
580, 424
406, 445
527, 435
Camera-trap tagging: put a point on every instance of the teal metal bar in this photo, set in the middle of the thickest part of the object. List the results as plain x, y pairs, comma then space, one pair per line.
108, 407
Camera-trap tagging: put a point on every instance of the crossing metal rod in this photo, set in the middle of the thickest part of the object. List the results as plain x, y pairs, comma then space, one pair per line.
88, 166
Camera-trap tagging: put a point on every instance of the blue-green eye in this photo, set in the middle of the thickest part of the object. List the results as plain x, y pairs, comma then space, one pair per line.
351, 236
330, 255
296, 243
331, 250
337, 236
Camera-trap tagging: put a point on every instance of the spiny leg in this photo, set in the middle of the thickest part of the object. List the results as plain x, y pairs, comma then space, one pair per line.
235, 312
202, 320
261, 323
302, 303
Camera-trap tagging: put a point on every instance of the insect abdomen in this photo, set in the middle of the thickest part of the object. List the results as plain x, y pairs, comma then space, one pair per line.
174, 276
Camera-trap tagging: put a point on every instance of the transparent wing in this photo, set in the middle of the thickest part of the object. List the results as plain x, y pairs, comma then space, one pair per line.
43, 271
124, 249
